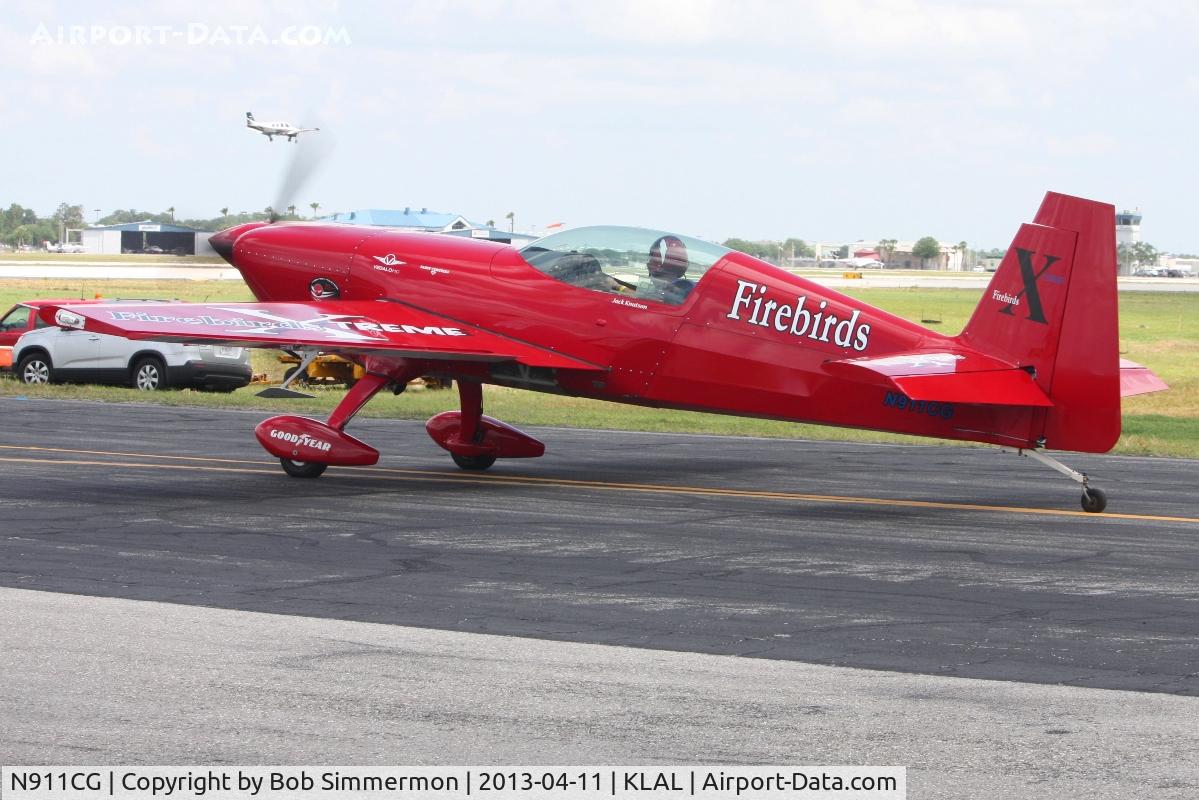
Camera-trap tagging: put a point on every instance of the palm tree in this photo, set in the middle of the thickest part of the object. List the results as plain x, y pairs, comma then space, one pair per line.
291, 211
314, 207
887, 248
511, 217
171, 211
225, 211
963, 250
490, 223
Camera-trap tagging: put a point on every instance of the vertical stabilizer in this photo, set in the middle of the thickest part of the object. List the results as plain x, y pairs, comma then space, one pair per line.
1051, 308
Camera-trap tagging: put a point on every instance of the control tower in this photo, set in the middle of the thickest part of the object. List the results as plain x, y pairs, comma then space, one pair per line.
1128, 227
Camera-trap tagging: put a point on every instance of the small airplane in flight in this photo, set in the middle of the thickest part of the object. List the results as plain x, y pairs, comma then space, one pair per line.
664, 320
272, 129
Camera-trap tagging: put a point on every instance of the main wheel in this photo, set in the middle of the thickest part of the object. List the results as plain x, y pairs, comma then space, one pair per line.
35, 369
303, 469
476, 463
149, 375
1093, 500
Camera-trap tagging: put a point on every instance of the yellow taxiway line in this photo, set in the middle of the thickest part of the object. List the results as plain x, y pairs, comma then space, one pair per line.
210, 464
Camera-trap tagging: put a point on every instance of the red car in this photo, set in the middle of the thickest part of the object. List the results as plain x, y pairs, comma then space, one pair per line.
22, 318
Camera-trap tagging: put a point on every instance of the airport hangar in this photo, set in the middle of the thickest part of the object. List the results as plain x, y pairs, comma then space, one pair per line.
135, 237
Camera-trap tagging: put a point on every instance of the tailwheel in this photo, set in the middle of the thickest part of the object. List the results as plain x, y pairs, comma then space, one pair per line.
303, 469
1093, 500
475, 463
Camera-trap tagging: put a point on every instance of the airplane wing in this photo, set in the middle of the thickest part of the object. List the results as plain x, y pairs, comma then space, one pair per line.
362, 328
946, 377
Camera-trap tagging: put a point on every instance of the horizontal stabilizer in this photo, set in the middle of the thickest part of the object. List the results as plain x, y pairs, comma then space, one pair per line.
1135, 379
946, 377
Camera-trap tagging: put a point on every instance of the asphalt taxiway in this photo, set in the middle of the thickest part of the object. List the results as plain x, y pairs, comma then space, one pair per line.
951, 598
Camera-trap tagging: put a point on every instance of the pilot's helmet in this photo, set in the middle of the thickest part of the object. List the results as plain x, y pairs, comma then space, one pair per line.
667, 259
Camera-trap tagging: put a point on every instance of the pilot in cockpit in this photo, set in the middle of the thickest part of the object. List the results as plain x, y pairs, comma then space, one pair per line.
667, 265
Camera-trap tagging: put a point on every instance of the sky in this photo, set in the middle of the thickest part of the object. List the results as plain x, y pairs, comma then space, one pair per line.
827, 121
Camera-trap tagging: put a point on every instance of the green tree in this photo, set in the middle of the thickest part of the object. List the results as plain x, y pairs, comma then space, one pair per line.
798, 248
511, 217
224, 212
123, 216
926, 248
1145, 254
14, 217
171, 211
766, 251
314, 207
33, 233
68, 216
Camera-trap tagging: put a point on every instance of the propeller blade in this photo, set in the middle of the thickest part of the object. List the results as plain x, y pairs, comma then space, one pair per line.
307, 156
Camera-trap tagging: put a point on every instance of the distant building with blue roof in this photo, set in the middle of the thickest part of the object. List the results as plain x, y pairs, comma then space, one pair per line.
409, 219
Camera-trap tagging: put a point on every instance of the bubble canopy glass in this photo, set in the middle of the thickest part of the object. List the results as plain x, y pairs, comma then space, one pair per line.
620, 255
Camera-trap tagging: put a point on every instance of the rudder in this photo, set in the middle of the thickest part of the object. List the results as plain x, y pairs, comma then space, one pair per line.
1051, 308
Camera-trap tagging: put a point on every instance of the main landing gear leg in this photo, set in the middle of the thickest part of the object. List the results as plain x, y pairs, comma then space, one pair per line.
470, 398
1093, 500
356, 398
329, 434
475, 441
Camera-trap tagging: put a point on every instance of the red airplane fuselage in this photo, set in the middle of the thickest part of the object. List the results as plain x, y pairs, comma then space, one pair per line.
750, 339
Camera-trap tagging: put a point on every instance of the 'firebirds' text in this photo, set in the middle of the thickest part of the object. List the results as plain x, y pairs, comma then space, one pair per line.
793, 317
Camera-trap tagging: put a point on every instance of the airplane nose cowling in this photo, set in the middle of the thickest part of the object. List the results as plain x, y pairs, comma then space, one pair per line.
223, 241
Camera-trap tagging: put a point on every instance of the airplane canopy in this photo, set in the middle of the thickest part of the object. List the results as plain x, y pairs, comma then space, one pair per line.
650, 264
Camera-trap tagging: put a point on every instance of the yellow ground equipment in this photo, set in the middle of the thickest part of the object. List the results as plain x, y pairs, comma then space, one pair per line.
331, 370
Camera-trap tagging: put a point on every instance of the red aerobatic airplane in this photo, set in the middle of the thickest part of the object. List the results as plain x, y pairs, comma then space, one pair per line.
656, 319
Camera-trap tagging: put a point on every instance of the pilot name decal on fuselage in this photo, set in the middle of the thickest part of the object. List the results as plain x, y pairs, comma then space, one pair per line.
621, 301
818, 324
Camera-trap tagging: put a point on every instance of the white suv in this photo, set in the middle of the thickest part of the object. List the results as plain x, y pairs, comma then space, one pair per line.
54, 354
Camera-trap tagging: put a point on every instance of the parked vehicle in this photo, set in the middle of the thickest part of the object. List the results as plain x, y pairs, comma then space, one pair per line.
45, 353
19, 320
